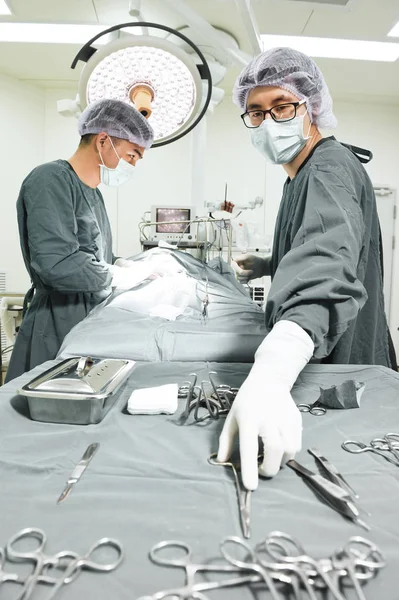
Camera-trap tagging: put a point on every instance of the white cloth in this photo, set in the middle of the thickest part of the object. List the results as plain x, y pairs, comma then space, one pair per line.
166, 311
264, 407
166, 297
161, 400
126, 278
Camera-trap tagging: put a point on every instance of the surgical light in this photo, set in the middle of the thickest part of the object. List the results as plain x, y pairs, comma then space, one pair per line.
394, 31
46, 33
165, 83
4, 8
335, 48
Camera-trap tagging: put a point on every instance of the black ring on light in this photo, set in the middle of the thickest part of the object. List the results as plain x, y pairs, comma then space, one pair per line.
87, 52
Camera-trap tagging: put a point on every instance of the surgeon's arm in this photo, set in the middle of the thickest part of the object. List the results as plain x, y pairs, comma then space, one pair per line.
316, 283
314, 296
52, 230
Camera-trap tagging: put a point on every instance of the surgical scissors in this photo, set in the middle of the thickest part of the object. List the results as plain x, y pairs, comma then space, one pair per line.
316, 409
244, 496
381, 446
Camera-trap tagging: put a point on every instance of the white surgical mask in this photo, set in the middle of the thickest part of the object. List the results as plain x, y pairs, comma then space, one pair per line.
118, 176
280, 142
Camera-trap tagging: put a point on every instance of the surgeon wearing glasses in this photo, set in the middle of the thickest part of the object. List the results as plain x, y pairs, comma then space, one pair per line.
65, 234
326, 298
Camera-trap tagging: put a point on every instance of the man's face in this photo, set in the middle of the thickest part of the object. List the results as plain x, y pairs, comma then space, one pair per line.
131, 153
265, 98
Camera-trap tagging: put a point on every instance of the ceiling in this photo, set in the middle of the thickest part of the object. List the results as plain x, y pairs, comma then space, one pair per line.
347, 79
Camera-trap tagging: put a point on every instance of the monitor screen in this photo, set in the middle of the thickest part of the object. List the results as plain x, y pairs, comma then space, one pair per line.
163, 215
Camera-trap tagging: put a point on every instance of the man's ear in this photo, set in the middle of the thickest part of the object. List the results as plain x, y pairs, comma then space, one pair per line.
101, 138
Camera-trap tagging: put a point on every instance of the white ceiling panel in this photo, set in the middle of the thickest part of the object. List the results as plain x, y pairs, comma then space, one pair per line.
367, 20
53, 10
276, 17
116, 12
39, 62
351, 79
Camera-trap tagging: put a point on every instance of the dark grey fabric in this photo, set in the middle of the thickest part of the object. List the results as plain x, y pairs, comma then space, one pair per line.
326, 264
232, 329
150, 481
66, 240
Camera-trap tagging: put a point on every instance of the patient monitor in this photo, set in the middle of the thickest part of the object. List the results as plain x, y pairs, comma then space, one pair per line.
173, 224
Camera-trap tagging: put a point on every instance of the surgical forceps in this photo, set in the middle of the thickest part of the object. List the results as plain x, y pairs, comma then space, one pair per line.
285, 562
347, 565
285, 550
387, 447
267, 571
192, 588
43, 562
388, 443
5, 576
334, 493
216, 404
86, 562
332, 471
244, 496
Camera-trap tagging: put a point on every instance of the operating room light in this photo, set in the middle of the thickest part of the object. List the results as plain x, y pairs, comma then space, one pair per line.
169, 86
394, 31
169, 76
335, 48
47, 33
4, 8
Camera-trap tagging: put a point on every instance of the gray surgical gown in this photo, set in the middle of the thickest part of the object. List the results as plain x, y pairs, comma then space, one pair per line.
66, 242
326, 262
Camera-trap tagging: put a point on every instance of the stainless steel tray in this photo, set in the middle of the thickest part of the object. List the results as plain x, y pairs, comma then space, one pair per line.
79, 390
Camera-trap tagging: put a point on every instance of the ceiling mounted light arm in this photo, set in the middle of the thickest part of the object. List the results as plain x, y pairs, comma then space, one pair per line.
126, 53
247, 15
208, 33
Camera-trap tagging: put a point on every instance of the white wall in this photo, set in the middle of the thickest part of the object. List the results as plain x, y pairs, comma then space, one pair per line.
21, 149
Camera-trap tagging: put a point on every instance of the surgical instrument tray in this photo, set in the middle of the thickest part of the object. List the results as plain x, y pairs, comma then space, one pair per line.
79, 390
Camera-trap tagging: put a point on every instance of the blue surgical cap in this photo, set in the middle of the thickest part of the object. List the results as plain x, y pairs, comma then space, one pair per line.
293, 71
118, 119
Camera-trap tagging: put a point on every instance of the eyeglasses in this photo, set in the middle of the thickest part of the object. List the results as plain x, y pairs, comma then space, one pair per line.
280, 113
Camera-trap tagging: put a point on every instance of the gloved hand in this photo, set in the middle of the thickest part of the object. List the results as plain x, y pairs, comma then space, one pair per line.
264, 407
124, 263
227, 206
126, 278
251, 267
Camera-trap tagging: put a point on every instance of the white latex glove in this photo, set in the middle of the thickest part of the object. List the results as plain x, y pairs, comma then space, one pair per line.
251, 267
127, 278
264, 407
124, 263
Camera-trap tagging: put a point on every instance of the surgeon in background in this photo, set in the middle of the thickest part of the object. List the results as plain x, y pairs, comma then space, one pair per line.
65, 233
326, 298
